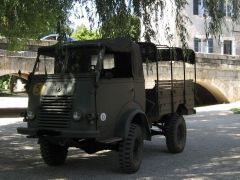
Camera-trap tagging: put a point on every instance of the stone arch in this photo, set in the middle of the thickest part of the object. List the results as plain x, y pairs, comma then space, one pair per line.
214, 91
23, 75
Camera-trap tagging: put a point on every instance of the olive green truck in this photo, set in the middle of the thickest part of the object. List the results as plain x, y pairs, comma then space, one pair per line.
94, 98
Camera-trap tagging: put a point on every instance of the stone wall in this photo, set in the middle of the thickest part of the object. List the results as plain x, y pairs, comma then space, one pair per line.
219, 74
13, 61
30, 45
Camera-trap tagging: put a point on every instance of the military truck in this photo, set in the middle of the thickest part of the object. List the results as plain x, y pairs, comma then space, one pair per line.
95, 99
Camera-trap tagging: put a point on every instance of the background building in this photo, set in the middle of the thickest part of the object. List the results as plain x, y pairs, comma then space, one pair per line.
227, 43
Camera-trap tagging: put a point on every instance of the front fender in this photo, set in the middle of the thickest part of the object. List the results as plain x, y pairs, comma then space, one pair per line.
133, 116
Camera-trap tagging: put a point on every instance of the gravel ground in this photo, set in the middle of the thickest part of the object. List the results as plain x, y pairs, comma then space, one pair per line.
212, 152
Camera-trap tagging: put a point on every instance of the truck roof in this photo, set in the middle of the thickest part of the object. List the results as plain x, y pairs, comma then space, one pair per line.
116, 45
152, 52
141, 51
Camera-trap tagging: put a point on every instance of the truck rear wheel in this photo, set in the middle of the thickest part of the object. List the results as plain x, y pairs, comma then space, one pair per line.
175, 133
131, 149
52, 154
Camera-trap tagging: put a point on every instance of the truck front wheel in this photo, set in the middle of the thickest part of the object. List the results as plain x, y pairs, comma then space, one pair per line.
53, 154
175, 133
131, 149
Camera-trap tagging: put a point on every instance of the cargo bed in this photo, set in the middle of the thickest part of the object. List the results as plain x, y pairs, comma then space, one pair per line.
171, 95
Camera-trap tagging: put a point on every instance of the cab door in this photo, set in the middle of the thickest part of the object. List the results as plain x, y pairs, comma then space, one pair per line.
115, 91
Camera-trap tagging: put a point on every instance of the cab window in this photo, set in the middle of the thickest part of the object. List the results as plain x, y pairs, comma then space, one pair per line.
117, 65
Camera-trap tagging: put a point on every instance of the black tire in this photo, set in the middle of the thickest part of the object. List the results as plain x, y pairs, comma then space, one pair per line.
131, 150
175, 133
52, 154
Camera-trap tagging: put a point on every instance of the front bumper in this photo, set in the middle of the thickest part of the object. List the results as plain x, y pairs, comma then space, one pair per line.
34, 132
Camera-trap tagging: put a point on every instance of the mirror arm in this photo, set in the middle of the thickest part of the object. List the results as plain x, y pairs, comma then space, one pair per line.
36, 63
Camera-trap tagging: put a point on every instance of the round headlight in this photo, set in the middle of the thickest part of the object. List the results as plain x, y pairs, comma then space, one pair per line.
30, 115
77, 116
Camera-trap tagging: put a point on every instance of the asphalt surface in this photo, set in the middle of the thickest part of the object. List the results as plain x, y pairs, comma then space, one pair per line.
212, 152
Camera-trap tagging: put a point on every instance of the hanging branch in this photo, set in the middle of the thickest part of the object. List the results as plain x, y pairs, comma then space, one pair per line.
21, 20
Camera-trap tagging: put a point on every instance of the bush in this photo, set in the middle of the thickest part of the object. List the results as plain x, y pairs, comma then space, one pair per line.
236, 110
4, 81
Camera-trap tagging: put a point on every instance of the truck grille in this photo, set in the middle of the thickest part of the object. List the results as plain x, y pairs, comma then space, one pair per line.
55, 111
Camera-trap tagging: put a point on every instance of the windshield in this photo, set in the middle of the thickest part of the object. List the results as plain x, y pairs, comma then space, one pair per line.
70, 60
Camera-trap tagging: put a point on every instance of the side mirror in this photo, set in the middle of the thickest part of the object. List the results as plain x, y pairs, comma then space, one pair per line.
19, 73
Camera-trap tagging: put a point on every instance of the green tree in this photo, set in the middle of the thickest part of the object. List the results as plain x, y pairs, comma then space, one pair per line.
151, 13
122, 25
4, 81
21, 20
29, 19
82, 33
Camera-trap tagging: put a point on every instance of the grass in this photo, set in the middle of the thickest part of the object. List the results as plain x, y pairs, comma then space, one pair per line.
236, 110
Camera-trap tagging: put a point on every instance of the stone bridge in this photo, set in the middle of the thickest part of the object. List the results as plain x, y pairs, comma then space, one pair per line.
220, 75
217, 75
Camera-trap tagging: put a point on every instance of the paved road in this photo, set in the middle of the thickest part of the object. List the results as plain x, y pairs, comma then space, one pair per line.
212, 152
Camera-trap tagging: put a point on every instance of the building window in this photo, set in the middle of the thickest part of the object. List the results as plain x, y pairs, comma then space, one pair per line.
226, 7
198, 7
197, 45
195, 7
201, 45
227, 47
210, 45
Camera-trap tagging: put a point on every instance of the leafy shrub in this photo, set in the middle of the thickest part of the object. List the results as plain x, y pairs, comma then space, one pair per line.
4, 81
236, 110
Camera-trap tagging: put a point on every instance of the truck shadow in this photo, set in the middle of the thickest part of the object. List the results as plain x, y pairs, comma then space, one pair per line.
212, 151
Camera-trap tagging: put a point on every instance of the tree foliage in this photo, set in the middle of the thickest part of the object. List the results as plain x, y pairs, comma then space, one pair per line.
4, 82
30, 19
214, 17
83, 33
21, 19
121, 25
151, 14
113, 14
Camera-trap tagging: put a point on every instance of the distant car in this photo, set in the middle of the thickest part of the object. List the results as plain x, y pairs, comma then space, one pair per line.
54, 37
